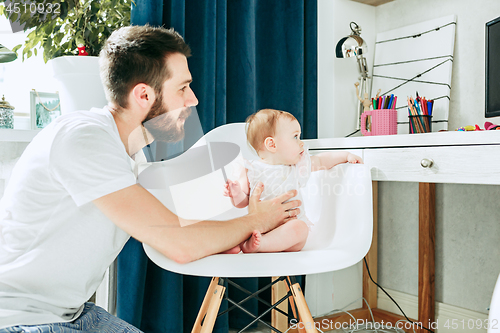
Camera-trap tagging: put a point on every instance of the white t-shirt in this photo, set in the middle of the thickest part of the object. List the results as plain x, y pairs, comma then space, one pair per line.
279, 179
55, 244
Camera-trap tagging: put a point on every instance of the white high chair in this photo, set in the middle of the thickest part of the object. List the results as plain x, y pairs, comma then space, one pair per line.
337, 201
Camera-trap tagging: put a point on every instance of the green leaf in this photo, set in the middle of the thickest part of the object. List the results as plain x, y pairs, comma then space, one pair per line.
86, 34
48, 42
48, 29
17, 47
80, 40
58, 38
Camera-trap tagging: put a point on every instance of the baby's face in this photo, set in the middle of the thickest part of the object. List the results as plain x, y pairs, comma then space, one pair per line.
289, 147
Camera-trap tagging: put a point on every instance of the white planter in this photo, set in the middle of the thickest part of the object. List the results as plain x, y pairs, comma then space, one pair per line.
79, 84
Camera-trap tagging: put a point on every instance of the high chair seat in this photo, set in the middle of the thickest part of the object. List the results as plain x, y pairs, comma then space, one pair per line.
341, 235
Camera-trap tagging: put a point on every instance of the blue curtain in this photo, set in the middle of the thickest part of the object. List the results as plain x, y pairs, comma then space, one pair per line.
247, 55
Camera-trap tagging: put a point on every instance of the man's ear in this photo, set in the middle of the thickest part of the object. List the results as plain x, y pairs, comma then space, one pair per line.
143, 95
270, 144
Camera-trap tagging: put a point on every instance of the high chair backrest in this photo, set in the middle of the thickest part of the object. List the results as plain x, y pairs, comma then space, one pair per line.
328, 196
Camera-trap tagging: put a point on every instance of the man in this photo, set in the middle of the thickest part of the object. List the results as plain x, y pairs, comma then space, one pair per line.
73, 201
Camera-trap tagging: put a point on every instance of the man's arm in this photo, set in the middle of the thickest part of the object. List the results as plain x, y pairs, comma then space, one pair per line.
328, 160
142, 216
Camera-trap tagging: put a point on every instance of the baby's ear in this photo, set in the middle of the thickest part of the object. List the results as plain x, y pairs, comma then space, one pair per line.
270, 144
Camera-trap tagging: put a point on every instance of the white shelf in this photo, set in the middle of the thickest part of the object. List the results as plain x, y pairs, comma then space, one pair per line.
17, 135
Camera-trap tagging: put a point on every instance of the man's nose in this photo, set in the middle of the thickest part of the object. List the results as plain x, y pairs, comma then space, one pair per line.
191, 99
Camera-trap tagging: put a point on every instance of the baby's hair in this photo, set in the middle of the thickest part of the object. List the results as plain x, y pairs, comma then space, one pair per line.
262, 124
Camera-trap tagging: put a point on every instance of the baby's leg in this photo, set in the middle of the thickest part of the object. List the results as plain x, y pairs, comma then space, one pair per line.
289, 237
252, 244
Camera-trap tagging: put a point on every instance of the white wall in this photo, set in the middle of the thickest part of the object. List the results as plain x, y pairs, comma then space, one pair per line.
337, 102
468, 81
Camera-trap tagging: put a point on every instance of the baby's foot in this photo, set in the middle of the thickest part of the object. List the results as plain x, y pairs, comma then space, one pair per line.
252, 244
234, 250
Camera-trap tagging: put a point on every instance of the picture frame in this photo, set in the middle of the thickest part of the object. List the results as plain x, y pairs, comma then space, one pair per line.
44, 108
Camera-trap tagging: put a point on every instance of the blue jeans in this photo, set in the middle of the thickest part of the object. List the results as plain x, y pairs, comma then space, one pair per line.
93, 319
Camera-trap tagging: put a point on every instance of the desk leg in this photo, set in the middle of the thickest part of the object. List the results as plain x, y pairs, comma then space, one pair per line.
369, 288
426, 253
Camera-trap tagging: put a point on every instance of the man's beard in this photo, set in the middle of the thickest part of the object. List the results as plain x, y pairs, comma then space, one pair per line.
163, 123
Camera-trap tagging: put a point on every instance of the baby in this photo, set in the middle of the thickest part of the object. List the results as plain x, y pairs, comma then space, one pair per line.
284, 165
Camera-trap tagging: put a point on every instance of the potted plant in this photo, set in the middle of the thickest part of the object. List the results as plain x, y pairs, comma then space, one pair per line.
64, 29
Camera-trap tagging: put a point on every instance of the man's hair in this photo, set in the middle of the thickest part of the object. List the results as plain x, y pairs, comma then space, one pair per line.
137, 54
262, 124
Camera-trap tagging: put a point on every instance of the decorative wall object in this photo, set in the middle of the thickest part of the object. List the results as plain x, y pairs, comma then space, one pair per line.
45, 107
417, 58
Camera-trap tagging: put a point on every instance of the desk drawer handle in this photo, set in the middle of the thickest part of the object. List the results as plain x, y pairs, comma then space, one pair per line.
426, 163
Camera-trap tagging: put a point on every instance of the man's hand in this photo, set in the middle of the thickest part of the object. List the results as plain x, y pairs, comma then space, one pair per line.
273, 212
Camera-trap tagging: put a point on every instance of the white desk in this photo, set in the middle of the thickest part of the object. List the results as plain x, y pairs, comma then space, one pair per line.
457, 157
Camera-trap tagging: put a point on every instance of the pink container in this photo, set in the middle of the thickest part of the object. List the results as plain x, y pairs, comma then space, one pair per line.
382, 122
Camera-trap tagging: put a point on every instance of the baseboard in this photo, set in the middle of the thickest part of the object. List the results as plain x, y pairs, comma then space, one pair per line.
448, 317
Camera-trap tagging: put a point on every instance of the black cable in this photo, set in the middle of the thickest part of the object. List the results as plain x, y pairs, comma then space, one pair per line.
392, 299
348, 135
417, 35
413, 78
414, 60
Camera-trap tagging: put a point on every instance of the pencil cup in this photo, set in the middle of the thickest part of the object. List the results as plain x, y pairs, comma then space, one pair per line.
420, 124
381, 122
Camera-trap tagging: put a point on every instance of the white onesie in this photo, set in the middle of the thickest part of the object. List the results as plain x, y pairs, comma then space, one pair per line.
279, 179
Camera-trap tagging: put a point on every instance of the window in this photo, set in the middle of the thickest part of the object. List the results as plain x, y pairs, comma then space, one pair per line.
18, 78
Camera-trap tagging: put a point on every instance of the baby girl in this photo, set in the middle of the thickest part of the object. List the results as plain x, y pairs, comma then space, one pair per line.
284, 165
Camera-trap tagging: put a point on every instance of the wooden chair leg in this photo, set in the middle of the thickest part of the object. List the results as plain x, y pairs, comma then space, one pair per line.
302, 309
291, 300
278, 320
213, 309
209, 308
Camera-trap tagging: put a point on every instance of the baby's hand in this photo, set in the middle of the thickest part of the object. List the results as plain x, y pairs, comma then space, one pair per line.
351, 158
232, 188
